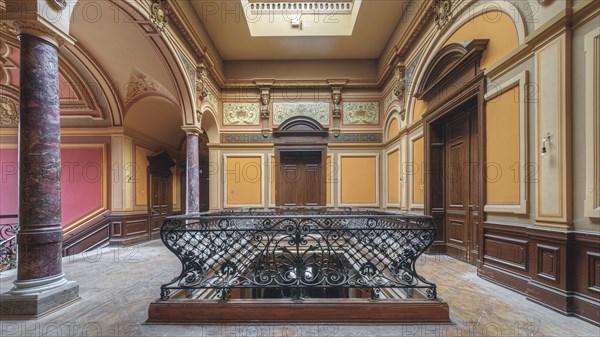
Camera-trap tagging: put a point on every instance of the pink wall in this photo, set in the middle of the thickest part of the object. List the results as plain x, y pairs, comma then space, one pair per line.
81, 182
8, 182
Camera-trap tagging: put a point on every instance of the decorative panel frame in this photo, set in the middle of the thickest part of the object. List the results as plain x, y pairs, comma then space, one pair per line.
410, 174
592, 121
226, 156
316, 110
522, 81
361, 113
377, 179
232, 117
388, 153
553, 116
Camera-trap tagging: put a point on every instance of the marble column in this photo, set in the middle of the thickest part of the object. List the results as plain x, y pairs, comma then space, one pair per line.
193, 172
40, 284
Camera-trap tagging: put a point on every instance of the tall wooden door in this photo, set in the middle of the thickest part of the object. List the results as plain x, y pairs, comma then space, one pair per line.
461, 186
160, 202
300, 180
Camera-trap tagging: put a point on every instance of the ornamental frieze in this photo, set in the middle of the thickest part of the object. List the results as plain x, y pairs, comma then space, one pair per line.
316, 111
361, 113
249, 138
9, 111
241, 113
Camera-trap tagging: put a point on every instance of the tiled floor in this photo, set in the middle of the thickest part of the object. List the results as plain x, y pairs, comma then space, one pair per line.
116, 286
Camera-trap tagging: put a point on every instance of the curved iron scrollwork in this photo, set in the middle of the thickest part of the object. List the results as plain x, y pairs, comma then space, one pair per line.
8, 246
298, 249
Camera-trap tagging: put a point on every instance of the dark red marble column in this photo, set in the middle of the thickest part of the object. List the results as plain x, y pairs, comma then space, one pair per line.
40, 285
40, 234
193, 172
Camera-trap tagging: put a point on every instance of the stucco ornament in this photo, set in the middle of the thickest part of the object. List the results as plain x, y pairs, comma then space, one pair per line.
441, 9
9, 111
160, 14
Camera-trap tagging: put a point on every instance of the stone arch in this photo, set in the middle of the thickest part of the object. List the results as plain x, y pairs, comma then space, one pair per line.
466, 14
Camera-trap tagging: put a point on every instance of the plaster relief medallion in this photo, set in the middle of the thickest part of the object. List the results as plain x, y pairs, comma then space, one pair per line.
361, 113
58, 4
9, 111
241, 114
316, 111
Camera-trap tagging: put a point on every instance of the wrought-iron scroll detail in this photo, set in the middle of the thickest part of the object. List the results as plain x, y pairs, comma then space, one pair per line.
297, 250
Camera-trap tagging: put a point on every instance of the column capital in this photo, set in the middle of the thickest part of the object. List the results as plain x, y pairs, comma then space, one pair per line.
192, 130
48, 20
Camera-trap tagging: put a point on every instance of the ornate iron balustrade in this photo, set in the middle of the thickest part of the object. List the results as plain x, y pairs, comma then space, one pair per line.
292, 250
8, 243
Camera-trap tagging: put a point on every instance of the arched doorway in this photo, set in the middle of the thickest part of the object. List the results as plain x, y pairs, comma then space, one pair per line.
300, 157
453, 87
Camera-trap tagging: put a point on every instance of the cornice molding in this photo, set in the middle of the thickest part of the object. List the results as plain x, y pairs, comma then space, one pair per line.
418, 24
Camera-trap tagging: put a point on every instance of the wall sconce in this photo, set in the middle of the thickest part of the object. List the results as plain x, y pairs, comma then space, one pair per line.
545, 143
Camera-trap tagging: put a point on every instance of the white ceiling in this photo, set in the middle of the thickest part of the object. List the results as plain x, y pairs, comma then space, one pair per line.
230, 33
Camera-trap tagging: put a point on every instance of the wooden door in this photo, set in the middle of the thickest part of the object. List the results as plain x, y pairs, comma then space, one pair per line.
160, 202
300, 180
461, 186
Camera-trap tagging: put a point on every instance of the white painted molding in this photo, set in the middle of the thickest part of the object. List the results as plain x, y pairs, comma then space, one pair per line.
592, 121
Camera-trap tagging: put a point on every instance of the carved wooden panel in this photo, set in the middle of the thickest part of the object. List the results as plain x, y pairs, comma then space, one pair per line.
548, 263
594, 271
506, 251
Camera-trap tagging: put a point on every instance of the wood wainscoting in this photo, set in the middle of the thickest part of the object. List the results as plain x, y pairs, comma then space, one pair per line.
557, 268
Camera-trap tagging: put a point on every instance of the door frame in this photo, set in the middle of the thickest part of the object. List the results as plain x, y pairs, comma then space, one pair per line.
300, 134
159, 166
299, 150
453, 78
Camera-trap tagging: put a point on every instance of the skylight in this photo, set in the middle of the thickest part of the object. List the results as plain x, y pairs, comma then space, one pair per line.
301, 18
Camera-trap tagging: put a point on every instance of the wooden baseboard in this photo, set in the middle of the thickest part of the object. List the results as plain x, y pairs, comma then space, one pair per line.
308, 311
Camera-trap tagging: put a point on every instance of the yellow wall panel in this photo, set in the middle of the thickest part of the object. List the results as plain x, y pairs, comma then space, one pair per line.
496, 26
141, 175
359, 180
244, 179
503, 148
418, 176
393, 178
393, 129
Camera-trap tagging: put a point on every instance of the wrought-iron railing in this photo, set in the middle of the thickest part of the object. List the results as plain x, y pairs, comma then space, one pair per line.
8, 242
294, 251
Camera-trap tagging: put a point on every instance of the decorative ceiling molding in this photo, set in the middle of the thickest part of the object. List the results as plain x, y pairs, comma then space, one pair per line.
418, 24
142, 85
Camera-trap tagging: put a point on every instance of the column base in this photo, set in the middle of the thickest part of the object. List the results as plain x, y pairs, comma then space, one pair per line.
35, 298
